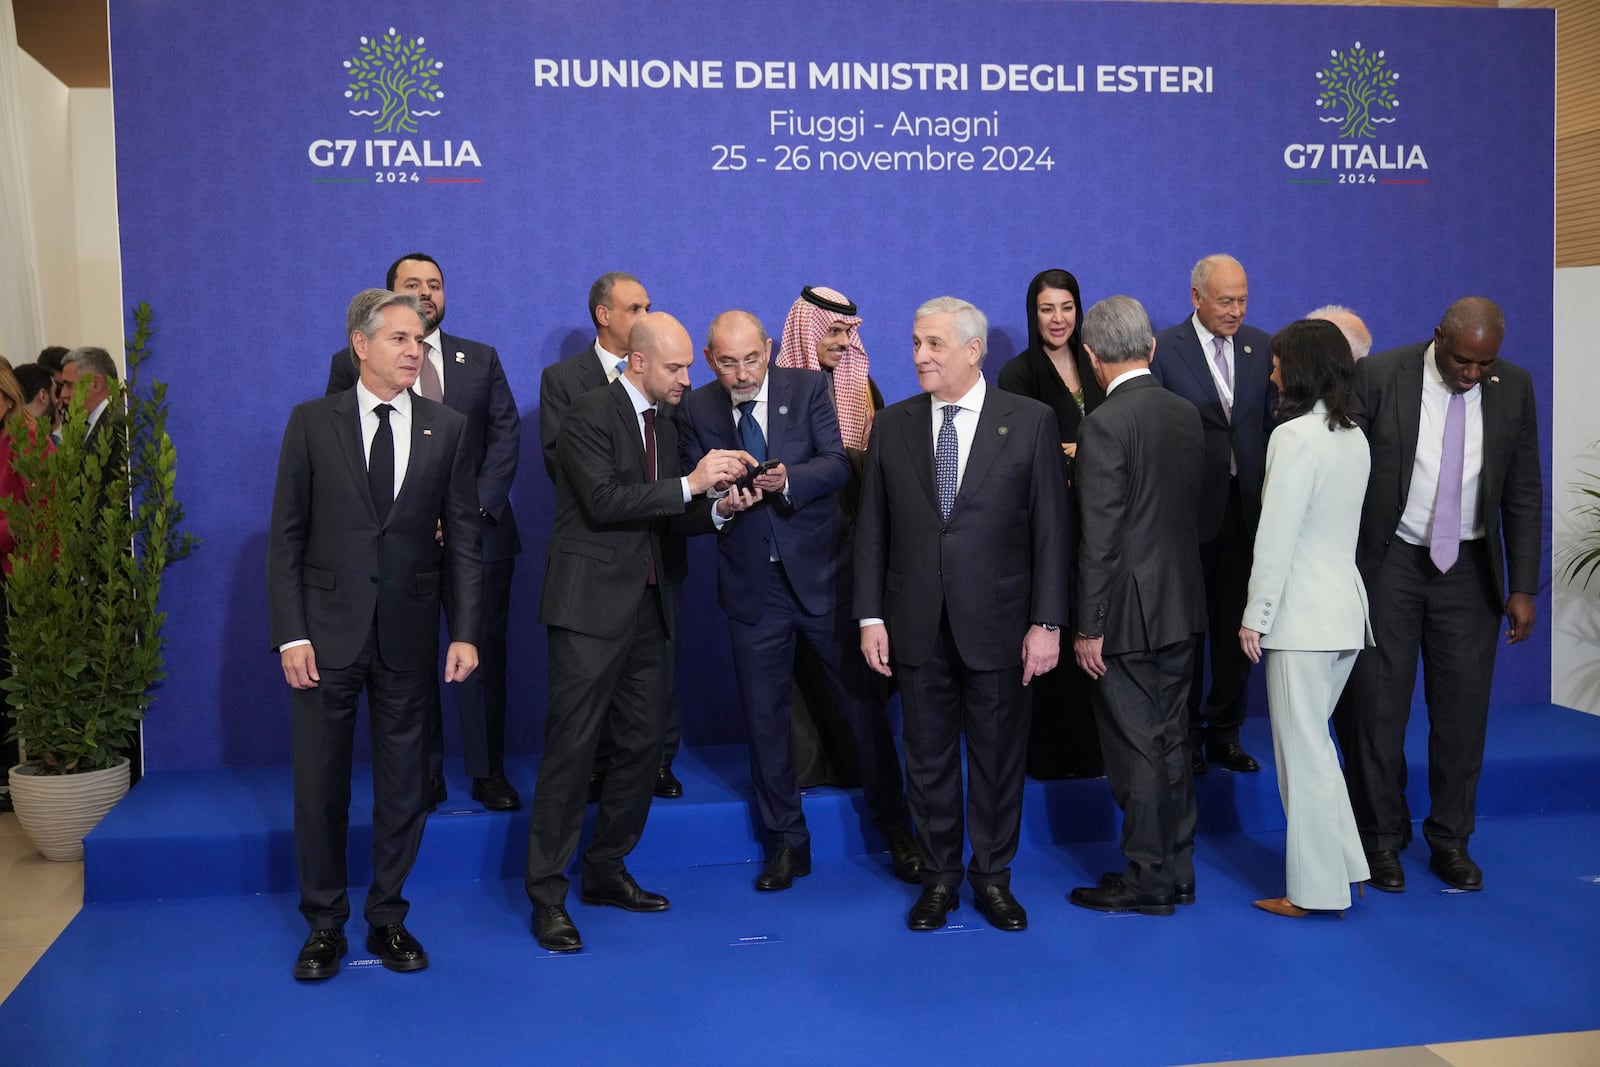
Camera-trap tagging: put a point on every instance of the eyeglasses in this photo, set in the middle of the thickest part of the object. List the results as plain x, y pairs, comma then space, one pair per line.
748, 363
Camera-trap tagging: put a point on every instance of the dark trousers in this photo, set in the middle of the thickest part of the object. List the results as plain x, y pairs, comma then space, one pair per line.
1452, 621
1140, 703
942, 699
760, 653
481, 699
324, 735
616, 685
1226, 561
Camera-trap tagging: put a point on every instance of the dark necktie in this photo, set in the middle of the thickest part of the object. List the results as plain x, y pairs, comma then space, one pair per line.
380, 464
946, 461
1445, 544
650, 474
750, 434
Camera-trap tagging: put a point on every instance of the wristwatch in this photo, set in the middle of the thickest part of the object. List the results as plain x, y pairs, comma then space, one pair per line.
1047, 627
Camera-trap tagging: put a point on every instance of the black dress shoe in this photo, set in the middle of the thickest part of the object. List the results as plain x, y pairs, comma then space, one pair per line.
437, 793
1384, 870
996, 904
667, 785
903, 850
623, 893
786, 864
553, 929
1456, 868
1117, 897
396, 948
1182, 892
320, 955
597, 782
495, 794
1231, 756
1197, 761
932, 906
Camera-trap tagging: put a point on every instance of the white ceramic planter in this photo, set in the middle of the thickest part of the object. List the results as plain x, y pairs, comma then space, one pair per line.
57, 811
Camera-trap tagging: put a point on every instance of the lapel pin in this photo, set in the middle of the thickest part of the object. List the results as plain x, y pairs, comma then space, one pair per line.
1004, 430
783, 409
1246, 351
1495, 378
427, 433
461, 357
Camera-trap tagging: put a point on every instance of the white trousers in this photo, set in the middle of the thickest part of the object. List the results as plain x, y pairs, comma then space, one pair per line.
1324, 849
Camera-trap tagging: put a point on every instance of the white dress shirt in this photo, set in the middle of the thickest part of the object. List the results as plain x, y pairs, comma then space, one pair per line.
1119, 379
608, 361
641, 404
966, 422
1416, 521
1209, 351
399, 425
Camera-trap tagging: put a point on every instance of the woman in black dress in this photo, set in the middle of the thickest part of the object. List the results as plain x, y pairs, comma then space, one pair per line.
1054, 369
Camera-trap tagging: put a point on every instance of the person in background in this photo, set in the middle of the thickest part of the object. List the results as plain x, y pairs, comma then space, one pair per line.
1355, 331
38, 393
1054, 369
15, 419
1307, 607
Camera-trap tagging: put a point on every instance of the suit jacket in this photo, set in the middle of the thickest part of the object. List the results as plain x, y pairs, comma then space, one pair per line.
1140, 584
807, 524
559, 385
1510, 490
996, 566
1305, 591
334, 573
611, 520
475, 385
1183, 367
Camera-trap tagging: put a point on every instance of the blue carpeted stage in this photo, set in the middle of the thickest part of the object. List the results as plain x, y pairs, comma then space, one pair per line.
182, 952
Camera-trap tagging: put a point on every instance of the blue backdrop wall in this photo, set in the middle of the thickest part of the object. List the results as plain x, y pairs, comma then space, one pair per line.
729, 153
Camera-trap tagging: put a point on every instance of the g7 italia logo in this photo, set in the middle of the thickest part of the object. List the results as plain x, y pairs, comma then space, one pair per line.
1357, 92
393, 82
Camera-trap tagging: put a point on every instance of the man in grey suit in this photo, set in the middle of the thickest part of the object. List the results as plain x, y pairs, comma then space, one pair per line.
617, 300
610, 599
1141, 601
365, 479
1451, 540
467, 377
961, 589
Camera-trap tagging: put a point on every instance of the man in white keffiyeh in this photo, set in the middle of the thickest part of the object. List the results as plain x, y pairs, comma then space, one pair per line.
823, 333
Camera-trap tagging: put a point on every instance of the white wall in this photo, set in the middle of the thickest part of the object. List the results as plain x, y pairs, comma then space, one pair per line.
1575, 626
72, 173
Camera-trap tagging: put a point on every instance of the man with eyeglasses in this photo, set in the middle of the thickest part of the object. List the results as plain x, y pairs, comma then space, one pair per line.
1222, 366
784, 573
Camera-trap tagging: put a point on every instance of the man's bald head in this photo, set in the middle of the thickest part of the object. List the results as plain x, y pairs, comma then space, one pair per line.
1355, 331
659, 354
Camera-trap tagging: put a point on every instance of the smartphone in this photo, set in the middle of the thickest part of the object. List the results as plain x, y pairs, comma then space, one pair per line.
747, 482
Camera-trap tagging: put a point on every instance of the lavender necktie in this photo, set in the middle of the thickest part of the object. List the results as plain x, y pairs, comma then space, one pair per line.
428, 383
1221, 360
1445, 545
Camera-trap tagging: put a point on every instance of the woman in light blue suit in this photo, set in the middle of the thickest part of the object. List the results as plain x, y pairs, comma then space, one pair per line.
1307, 606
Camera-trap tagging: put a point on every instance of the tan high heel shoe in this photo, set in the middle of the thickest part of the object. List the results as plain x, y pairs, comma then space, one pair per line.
1283, 906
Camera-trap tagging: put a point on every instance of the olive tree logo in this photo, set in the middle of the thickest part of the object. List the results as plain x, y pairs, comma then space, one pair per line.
397, 75
1357, 81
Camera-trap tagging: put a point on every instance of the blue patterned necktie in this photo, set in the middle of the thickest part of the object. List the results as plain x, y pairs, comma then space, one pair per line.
946, 460
750, 435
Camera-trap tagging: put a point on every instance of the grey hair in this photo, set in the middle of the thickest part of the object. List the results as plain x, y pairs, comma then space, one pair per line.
366, 310
971, 324
733, 315
1473, 314
1117, 329
600, 291
1355, 331
92, 360
1202, 270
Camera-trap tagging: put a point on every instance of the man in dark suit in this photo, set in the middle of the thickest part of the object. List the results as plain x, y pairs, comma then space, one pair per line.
961, 589
610, 602
366, 479
617, 300
783, 573
1141, 601
1222, 367
467, 377
1450, 541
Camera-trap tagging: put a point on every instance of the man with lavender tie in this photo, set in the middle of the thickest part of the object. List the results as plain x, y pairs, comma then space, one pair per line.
1450, 541
1223, 367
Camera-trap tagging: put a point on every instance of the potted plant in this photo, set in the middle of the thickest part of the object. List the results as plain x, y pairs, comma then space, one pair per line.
95, 531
